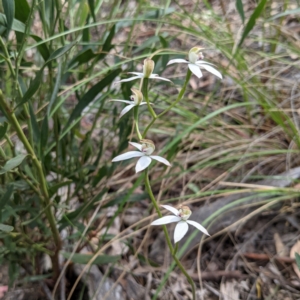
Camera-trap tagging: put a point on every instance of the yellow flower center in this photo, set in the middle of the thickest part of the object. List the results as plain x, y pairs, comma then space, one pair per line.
148, 146
195, 54
137, 97
184, 212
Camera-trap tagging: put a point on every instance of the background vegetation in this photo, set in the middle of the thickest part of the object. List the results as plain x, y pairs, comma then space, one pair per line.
63, 199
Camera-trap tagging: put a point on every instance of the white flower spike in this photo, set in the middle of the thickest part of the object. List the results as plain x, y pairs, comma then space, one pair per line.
196, 62
181, 217
146, 149
148, 68
136, 100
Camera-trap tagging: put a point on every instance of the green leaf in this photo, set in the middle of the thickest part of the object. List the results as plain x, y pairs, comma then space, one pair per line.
44, 135
48, 7
43, 49
297, 257
55, 89
84, 56
3, 129
16, 25
5, 197
13, 163
107, 44
92, 9
249, 26
20, 27
6, 228
34, 124
240, 8
9, 10
60, 51
54, 188
34, 85
22, 10
86, 258
91, 94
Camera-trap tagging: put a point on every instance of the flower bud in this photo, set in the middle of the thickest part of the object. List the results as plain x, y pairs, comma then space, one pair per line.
148, 146
148, 67
137, 97
184, 212
195, 54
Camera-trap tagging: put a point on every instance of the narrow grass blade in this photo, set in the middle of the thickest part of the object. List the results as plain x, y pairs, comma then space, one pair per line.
252, 20
240, 8
285, 13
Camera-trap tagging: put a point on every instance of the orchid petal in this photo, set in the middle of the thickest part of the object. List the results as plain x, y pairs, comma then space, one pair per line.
128, 155
171, 209
212, 70
153, 76
177, 61
198, 226
126, 109
136, 73
129, 79
143, 103
160, 159
124, 101
202, 62
166, 220
142, 163
136, 145
195, 70
180, 231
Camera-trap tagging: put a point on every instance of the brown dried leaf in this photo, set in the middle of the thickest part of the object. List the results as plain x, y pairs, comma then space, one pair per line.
281, 250
229, 290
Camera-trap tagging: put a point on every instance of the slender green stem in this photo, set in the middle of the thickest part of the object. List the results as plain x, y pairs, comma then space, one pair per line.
173, 251
59, 19
18, 64
14, 75
148, 127
136, 121
11, 145
21, 49
176, 248
179, 97
10, 65
41, 177
145, 94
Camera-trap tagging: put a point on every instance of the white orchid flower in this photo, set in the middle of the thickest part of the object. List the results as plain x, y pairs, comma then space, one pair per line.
148, 68
146, 149
136, 100
195, 64
181, 217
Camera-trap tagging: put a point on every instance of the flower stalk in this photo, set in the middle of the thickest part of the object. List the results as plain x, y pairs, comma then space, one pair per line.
173, 251
146, 147
145, 93
179, 97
